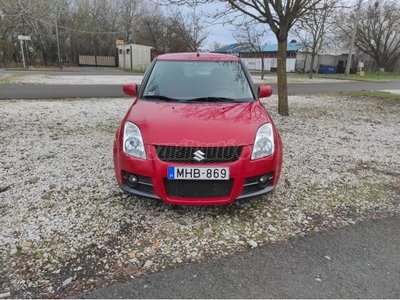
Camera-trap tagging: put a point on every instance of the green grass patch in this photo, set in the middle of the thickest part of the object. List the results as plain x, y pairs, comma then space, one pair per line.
370, 94
379, 75
5, 79
370, 76
34, 69
126, 70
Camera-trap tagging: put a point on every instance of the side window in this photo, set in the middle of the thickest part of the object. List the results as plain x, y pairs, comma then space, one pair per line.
152, 86
120, 51
128, 51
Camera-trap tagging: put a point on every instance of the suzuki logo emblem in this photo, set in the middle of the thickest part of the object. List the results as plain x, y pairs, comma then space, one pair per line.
198, 155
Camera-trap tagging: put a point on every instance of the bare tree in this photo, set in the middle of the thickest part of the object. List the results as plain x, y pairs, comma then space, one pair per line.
189, 27
378, 33
81, 25
90, 27
313, 28
215, 46
129, 12
172, 32
250, 34
152, 31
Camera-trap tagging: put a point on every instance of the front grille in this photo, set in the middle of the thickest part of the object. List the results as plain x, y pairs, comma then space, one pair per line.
198, 188
214, 155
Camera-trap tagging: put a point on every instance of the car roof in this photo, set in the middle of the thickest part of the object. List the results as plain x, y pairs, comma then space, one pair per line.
196, 56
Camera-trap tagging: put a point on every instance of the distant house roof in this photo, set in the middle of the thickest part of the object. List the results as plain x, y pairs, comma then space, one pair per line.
236, 48
274, 47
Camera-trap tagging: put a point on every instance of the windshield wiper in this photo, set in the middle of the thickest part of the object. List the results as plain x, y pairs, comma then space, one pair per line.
161, 97
211, 99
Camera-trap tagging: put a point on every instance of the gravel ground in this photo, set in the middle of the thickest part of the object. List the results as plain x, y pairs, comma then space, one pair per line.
67, 228
118, 80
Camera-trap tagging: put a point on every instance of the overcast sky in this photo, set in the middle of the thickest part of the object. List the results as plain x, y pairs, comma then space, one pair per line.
221, 33
218, 32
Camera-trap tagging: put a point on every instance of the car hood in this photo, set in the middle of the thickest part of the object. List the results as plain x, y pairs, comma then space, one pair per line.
202, 124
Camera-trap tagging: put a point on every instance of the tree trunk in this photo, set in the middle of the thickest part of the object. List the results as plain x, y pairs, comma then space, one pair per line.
381, 63
312, 65
389, 67
262, 67
283, 105
389, 64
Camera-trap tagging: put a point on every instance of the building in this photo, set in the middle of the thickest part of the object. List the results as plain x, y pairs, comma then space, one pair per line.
334, 60
252, 59
297, 59
234, 49
134, 57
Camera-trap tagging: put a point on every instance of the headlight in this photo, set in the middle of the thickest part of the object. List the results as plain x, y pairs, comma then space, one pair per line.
133, 142
264, 142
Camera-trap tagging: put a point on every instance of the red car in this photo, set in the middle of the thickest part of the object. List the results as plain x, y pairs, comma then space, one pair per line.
197, 133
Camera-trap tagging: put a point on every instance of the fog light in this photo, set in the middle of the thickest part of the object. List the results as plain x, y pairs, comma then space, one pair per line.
263, 181
132, 180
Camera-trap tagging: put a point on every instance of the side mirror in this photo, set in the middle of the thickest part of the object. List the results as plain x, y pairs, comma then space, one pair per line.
264, 91
130, 89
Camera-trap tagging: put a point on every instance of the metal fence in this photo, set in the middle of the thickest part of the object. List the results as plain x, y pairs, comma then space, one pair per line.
101, 61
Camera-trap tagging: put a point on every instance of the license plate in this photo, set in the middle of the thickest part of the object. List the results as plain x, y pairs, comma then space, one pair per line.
200, 173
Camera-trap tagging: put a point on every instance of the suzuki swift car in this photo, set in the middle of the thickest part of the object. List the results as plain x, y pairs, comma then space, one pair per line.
197, 133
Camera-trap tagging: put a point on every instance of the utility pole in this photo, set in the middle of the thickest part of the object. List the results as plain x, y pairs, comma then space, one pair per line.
21, 39
353, 38
22, 51
58, 45
27, 55
21, 42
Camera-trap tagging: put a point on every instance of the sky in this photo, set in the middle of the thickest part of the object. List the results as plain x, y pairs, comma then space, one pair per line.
218, 32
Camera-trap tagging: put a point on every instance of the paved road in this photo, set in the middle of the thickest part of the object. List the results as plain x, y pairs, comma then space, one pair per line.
360, 261
22, 91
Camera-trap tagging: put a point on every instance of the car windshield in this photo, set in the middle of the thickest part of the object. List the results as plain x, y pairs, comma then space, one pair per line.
198, 81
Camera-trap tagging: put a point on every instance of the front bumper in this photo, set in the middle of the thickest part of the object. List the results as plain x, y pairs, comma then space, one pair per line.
153, 182
127, 189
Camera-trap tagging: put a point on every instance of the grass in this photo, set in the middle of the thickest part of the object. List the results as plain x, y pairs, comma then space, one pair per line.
370, 76
34, 69
126, 70
6, 79
371, 94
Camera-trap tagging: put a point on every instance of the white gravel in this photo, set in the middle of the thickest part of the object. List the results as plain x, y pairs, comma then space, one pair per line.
63, 218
